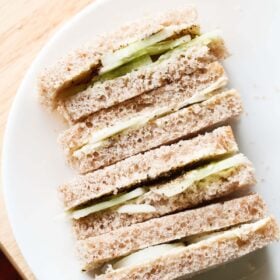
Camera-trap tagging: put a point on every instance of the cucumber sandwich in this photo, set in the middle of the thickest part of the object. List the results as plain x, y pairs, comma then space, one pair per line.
162, 190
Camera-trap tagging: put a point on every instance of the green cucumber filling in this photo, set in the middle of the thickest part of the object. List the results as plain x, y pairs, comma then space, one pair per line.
203, 40
127, 202
115, 200
106, 133
154, 252
113, 60
126, 68
152, 50
136, 208
148, 254
160, 51
171, 189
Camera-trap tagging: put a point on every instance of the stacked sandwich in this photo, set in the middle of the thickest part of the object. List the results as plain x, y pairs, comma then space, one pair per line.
148, 109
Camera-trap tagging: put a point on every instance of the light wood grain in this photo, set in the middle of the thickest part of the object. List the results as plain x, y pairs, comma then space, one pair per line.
25, 27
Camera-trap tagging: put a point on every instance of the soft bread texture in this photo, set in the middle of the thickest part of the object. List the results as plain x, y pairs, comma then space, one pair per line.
100, 249
202, 255
147, 166
147, 26
214, 187
109, 93
173, 127
75, 68
168, 95
80, 65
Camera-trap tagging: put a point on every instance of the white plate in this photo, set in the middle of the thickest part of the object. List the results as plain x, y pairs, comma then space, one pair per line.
33, 164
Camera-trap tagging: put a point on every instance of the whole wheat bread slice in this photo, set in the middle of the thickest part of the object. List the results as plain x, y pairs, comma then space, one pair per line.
97, 250
202, 255
80, 65
213, 76
147, 166
216, 186
111, 92
168, 129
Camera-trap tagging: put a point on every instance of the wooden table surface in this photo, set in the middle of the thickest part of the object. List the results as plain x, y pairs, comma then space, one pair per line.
25, 27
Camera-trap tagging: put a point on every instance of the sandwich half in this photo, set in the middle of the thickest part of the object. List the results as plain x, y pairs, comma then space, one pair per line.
146, 167
163, 126
193, 255
186, 190
98, 250
159, 51
83, 64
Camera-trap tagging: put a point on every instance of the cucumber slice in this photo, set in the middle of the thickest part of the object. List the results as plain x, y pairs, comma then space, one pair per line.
127, 68
107, 132
148, 254
151, 47
113, 60
164, 46
136, 208
203, 39
89, 147
98, 138
143, 58
201, 173
116, 200
230, 233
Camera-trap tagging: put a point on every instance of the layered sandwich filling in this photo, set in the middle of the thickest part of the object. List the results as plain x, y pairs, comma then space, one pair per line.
98, 138
136, 55
148, 254
130, 202
153, 253
147, 52
151, 46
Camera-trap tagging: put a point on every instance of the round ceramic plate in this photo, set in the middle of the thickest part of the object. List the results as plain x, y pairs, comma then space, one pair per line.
33, 164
